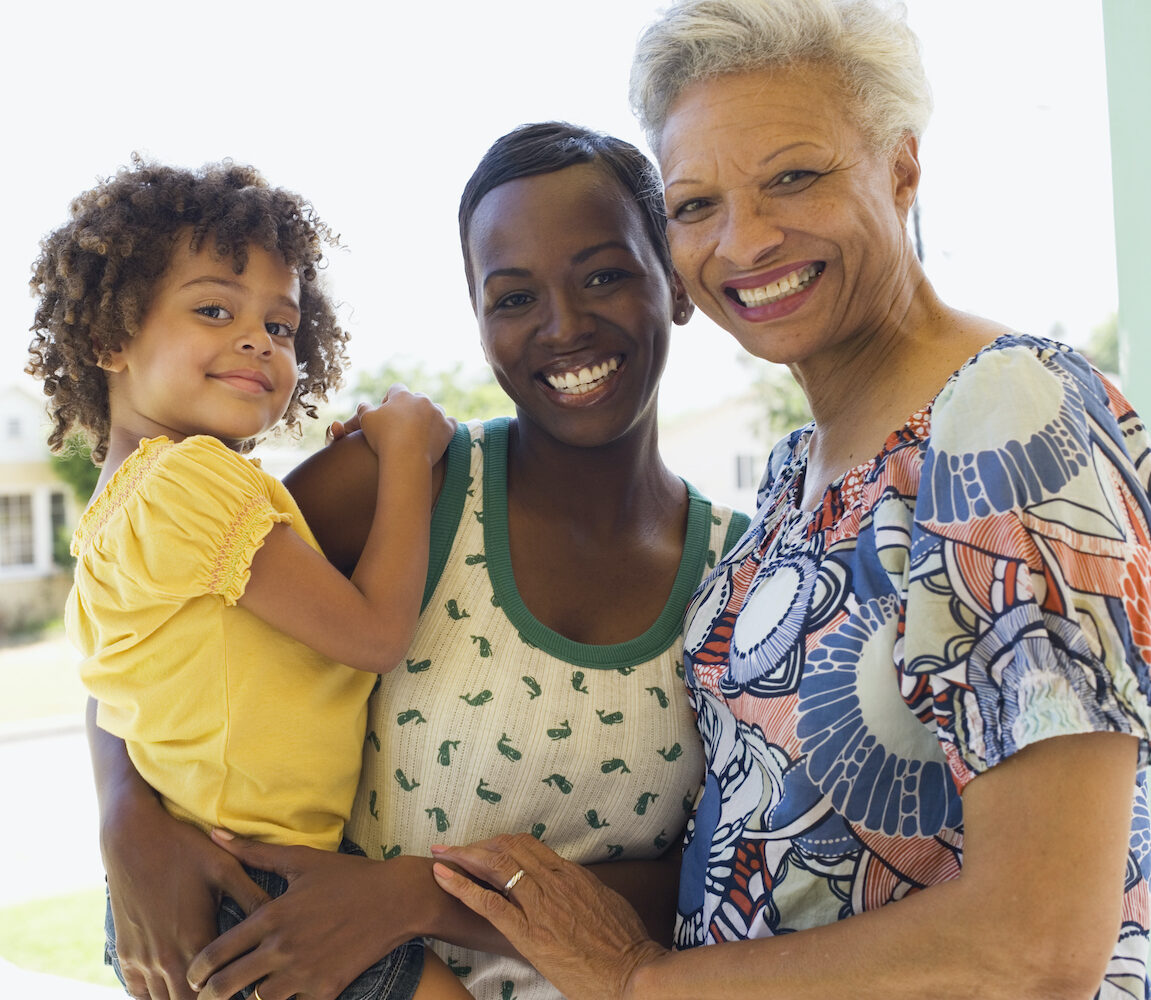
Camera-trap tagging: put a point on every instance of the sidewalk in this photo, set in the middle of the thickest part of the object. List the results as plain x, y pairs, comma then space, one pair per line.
49, 839
17, 984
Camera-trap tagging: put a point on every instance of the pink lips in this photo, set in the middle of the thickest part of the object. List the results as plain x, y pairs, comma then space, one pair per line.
767, 277
246, 380
778, 308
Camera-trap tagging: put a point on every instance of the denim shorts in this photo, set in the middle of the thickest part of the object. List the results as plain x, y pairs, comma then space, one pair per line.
393, 977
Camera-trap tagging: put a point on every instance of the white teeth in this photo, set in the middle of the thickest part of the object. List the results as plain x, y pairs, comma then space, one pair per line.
578, 383
776, 290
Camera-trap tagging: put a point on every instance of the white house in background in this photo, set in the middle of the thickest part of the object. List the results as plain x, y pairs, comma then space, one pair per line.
717, 449
34, 507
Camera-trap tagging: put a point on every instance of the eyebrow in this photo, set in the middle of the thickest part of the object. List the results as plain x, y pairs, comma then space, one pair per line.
239, 286
762, 163
578, 258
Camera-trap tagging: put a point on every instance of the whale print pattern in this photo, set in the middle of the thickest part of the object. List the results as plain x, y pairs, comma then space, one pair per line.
508, 726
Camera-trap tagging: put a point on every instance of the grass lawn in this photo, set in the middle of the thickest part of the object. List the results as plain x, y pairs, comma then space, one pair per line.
63, 935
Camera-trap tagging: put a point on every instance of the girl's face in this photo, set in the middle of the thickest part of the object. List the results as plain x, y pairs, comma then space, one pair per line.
573, 304
787, 226
214, 353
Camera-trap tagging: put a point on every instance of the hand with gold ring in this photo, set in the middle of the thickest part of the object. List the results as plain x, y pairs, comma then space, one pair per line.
577, 932
256, 992
511, 882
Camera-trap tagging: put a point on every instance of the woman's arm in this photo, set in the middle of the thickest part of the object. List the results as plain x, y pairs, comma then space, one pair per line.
165, 878
367, 623
339, 915
336, 490
650, 887
1033, 916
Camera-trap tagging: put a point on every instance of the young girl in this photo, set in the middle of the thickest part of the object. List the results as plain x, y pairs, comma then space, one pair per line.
179, 318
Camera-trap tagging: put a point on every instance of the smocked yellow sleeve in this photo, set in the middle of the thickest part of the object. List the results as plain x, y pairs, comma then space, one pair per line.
195, 518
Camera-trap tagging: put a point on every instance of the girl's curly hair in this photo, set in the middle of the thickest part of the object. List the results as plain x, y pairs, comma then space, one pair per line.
95, 277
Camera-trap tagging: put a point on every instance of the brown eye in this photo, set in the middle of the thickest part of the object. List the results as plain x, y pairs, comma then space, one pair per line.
609, 277
690, 208
795, 178
513, 301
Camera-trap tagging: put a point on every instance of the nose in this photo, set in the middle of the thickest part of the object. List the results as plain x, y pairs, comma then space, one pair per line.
566, 322
255, 339
747, 232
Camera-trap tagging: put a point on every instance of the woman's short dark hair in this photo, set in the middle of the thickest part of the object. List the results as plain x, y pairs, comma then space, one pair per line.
545, 147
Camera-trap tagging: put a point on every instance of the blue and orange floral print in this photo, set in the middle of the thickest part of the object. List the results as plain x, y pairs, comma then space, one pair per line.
982, 584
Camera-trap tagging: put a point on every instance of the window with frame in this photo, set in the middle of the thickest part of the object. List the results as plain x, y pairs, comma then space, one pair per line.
17, 537
748, 472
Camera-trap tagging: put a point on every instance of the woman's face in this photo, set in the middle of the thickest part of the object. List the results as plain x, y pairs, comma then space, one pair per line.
787, 227
573, 304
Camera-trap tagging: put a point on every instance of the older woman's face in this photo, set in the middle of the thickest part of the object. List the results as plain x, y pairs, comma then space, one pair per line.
787, 227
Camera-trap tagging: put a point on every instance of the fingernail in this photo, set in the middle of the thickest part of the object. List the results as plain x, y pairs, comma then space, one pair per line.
442, 871
223, 834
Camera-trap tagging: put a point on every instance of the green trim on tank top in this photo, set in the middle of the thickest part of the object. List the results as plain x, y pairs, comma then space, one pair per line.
449, 508
665, 631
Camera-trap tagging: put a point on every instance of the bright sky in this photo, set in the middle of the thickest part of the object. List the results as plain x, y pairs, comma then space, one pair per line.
379, 114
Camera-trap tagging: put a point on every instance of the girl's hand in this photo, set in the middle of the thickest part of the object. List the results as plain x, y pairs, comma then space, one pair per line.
342, 428
581, 935
165, 881
406, 423
339, 915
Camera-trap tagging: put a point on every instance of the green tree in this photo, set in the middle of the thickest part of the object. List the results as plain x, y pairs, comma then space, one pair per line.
74, 466
465, 397
1102, 348
783, 404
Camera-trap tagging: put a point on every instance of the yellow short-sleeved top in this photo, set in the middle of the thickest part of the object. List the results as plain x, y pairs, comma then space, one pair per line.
232, 722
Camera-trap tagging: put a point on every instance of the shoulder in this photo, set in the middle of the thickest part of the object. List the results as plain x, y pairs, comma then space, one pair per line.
1025, 420
198, 479
201, 451
1017, 382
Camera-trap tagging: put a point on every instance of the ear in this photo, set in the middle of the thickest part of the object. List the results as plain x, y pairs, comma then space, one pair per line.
905, 174
682, 306
112, 361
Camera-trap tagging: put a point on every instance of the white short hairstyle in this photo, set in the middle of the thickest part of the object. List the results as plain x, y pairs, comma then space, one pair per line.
867, 42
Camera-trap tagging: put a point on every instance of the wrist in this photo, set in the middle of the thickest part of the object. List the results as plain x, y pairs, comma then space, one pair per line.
647, 979
408, 877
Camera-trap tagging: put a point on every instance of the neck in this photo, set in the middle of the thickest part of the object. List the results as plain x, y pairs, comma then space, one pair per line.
121, 444
838, 380
868, 386
609, 484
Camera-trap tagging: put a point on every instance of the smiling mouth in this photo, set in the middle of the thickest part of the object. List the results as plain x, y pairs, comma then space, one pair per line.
249, 381
776, 291
576, 383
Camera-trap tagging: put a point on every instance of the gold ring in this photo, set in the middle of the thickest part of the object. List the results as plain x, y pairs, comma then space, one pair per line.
256, 992
511, 883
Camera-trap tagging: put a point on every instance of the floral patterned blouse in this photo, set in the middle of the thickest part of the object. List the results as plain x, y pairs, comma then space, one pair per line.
981, 584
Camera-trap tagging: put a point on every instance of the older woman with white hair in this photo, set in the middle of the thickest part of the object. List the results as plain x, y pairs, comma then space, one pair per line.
922, 678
